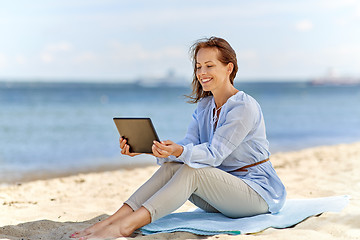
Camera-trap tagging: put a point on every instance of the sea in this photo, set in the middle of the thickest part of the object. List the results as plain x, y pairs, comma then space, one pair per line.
62, 128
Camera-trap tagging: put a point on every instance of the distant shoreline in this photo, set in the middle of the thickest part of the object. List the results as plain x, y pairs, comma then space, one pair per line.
120, 82
52, 174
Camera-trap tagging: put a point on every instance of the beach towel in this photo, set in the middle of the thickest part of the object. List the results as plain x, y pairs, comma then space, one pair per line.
203, 223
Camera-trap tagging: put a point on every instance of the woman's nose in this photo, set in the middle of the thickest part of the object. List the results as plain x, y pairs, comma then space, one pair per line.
201, 71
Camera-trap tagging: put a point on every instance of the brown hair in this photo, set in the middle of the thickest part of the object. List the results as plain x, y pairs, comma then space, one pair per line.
226, 55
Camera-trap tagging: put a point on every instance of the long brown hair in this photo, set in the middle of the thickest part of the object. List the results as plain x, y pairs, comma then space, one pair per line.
226, 55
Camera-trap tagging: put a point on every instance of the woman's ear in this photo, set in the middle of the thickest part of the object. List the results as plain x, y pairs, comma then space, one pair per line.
230, 67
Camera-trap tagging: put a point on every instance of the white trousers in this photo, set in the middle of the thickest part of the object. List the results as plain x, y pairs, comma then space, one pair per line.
209, 188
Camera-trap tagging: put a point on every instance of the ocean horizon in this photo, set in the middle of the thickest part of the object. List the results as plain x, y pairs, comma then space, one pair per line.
58, 128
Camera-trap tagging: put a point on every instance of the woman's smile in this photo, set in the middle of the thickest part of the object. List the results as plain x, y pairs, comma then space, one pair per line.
205, 80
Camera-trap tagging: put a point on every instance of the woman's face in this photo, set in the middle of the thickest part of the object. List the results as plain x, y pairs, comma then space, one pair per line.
210, 72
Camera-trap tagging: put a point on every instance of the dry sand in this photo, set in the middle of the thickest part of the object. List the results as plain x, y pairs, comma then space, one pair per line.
54, 208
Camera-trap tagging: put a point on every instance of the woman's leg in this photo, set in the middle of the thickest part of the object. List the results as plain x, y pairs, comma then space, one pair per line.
154, 184
159, 179
201, 203
224, 192
219, 190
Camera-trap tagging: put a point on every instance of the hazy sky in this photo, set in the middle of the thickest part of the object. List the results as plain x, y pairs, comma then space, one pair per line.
123, 40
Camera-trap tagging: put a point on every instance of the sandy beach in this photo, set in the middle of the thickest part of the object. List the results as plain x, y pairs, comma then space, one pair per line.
54, 208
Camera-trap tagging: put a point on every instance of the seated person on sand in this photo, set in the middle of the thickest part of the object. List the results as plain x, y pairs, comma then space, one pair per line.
222, 164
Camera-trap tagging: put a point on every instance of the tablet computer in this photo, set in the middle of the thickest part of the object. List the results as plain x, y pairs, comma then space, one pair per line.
139, 132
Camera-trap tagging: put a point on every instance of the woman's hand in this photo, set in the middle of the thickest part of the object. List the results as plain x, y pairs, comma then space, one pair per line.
125, 148
166, 148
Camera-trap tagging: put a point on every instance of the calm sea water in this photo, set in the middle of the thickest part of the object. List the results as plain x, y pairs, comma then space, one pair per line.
47, 129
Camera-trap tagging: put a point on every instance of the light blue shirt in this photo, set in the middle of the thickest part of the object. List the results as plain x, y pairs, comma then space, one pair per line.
239, 139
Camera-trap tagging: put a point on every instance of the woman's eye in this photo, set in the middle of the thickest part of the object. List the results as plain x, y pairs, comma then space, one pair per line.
198, 67
210, 66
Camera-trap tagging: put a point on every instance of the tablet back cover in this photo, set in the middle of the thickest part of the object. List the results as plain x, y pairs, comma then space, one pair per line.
139, 132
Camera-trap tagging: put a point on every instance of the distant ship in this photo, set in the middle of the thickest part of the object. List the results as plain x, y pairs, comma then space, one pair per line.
170, 80
331, 78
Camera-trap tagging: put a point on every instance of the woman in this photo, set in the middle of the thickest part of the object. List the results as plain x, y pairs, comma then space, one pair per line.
222, 163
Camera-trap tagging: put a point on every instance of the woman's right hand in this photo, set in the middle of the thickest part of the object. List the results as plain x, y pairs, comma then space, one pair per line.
125, 148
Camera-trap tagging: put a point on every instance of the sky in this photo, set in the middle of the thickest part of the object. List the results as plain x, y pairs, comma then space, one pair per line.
125, 40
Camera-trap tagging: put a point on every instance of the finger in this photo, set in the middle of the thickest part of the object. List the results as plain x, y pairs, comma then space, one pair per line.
167, 142
156, 151
159, 145
123, 150
122, 143
127, 149
131, 154
162, 153
164, 149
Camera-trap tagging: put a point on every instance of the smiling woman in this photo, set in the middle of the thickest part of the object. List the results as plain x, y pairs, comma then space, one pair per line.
218, 53
222, 165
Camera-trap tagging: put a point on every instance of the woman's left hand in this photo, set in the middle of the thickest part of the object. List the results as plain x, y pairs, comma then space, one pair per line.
166, 148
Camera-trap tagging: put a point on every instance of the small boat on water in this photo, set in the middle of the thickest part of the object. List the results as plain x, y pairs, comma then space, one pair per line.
331, 78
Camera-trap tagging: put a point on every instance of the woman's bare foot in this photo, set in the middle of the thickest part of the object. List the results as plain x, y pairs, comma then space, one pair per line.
121, 213
91, 230
109, 231
123, 227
